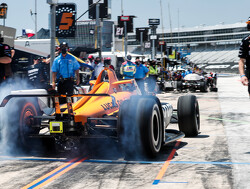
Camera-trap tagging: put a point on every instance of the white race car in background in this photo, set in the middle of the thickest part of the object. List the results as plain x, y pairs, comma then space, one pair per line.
193, 82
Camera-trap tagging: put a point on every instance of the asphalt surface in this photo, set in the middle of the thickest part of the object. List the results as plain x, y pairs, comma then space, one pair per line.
217, 158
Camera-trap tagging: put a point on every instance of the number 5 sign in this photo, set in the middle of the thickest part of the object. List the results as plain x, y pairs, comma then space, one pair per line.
65, 20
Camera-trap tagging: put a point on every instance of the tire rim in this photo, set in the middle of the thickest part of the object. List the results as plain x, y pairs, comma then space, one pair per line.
155, 130
197, 116
25, 122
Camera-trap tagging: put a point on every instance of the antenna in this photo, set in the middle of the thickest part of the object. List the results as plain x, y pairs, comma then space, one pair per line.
122, 7
162, 21
35, 13
171, 34
36, 18
178, 29
162, 62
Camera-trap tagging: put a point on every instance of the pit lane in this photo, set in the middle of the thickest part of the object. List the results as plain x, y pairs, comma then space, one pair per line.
217, 158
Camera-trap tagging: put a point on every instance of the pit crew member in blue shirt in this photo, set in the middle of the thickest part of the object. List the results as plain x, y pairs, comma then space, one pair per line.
128, 68
140, 74
189, 71
183, 74
64, 69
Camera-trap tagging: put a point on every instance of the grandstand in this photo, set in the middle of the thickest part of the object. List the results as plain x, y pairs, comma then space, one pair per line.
214, 48
219, 60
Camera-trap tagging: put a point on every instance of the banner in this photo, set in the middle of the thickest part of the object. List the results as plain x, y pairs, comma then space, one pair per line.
8, 35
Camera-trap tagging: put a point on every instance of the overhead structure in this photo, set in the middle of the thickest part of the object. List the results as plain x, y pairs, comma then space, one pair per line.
125, 24
153, 23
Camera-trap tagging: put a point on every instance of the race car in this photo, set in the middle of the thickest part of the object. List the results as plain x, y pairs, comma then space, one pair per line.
193, 82
111, 109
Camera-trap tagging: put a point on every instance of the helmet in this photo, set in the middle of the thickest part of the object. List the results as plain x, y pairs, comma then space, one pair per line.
90, 57
108, 58
64, 44
37, 58
129, 57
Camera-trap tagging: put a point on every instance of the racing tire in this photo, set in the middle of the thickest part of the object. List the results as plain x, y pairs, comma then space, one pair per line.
26, 121
214, 89
203, 86
140, 127
179, 85
23, 120
188, 115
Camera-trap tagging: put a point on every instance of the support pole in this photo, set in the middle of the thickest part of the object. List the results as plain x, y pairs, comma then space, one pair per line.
162, 54
52, 36
126, 38
141, 40
153, 32
98, 30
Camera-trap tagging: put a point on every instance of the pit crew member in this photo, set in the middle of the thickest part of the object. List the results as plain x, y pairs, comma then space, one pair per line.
153, 74
5, 58
140, 74
64, 69
98, 66
244, 55
107, 63
128, 68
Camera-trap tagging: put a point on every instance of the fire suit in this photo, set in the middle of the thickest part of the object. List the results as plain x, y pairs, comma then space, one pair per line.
128, 70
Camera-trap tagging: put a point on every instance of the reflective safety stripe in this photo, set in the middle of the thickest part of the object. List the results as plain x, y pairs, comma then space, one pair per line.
152, 70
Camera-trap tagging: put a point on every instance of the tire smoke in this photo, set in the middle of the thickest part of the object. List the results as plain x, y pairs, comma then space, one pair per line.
130, 134
8, 132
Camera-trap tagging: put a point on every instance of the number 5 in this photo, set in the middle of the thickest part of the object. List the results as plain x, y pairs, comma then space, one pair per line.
66, 21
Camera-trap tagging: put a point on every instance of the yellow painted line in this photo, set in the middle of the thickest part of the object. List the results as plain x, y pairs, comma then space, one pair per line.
166, 164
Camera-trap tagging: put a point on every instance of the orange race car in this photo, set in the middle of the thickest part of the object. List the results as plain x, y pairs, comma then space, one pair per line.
112, 109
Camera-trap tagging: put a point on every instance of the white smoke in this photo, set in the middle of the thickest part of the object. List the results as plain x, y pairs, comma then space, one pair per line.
8, 132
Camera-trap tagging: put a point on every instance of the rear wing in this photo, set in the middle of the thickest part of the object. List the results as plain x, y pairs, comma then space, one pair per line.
7, 98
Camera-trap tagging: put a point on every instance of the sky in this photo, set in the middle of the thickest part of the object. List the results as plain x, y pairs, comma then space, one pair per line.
191, 13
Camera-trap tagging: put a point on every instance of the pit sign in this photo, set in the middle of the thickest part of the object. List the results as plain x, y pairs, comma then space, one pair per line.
65, 20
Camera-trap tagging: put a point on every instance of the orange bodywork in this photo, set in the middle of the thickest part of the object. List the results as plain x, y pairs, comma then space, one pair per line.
99, 106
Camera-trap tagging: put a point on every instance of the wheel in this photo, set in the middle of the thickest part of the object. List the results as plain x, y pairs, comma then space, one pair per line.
188, 115
26, 121
203, 86
179, 85
140, 127
21, 123
214, 89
